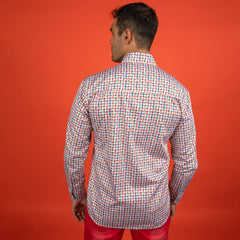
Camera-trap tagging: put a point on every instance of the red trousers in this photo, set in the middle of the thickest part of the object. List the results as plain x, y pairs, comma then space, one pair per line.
92, 231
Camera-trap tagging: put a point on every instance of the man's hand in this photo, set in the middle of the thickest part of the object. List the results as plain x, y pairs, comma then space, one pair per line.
78, 209
172, 210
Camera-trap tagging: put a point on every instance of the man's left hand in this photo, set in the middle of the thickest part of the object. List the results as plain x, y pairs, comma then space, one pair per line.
78, 209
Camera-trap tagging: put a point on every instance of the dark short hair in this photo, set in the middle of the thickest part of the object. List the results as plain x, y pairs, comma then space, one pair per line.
140, 19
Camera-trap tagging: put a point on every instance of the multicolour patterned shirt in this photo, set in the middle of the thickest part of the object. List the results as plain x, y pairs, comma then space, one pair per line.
132, 109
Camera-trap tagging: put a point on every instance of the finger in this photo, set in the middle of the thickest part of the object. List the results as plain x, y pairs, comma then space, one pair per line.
81, 217
76, 216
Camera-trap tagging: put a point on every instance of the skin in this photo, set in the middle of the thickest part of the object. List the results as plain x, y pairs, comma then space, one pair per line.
78, 209
121, 45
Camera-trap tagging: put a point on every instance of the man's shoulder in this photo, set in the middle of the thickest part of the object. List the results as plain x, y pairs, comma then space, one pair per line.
170, 82
175, 84
102, 74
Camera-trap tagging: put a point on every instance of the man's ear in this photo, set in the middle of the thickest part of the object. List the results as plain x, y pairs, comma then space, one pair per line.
127, 36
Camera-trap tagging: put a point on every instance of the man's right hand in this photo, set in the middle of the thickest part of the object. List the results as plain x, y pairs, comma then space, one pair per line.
172, 210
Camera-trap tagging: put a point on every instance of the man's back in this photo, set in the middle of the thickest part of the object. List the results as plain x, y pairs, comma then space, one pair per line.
133, 109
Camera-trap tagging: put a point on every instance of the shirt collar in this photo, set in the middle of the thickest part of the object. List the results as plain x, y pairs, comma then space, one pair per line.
139, 57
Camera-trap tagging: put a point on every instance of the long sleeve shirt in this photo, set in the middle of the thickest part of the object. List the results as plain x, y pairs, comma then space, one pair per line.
132, 109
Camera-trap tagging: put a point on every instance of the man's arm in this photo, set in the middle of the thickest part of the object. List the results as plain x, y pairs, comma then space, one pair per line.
78, 139
183, 150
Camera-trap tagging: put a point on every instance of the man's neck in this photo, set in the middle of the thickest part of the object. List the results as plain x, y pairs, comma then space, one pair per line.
140, 50
136, 50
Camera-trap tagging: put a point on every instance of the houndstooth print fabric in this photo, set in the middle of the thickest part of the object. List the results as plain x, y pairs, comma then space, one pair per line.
132, 109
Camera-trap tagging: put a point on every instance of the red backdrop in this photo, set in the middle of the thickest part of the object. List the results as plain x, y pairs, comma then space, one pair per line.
48, 47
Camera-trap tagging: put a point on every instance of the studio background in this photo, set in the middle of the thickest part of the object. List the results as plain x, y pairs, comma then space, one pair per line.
49, 47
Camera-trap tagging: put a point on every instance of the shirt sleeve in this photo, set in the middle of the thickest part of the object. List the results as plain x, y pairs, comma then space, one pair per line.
78, 139
183, 151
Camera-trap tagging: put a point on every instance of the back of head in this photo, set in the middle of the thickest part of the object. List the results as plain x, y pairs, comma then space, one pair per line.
140, 19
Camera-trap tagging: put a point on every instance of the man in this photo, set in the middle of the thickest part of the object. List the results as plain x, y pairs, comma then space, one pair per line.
133, 109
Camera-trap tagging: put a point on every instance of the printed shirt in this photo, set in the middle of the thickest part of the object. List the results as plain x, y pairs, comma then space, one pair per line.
132, 109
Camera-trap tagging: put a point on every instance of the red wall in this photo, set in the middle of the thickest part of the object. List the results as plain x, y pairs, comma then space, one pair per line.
48, 47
